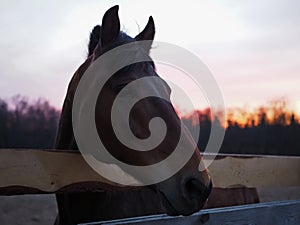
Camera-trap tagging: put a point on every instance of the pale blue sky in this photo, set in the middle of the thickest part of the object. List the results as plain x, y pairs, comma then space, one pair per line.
251, 47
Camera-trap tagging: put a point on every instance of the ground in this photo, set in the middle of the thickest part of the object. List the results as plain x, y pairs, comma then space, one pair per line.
27, 210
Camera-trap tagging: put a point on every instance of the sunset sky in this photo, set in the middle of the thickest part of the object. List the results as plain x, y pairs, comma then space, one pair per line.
251, 47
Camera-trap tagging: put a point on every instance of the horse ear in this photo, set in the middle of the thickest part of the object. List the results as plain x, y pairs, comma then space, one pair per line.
148, 32
110, 28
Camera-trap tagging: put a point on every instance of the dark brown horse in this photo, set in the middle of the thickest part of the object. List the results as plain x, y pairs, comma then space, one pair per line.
182, 194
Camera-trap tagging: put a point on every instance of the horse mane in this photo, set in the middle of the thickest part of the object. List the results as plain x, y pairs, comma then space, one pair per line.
96, 34
94, 39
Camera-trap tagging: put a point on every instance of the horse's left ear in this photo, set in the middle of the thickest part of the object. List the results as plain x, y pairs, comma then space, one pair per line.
110, 28
148, 32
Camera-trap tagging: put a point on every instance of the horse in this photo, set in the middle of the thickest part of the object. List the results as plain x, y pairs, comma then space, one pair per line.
185, 192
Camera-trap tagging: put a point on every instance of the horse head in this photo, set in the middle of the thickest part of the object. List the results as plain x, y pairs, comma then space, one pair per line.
187, 190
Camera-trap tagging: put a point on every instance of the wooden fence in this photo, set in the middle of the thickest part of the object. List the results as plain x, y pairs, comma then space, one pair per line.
29, 171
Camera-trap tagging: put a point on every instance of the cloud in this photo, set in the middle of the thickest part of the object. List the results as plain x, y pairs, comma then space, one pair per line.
245, 43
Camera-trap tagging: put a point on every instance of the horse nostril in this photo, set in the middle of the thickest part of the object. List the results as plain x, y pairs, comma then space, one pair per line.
197, 190
209, 189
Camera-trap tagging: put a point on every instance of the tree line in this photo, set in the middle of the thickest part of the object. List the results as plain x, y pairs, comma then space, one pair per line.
25, 124
270, 129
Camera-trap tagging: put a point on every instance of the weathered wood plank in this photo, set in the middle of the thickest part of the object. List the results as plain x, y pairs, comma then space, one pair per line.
275, 213
268, 194
40, 171
255, 171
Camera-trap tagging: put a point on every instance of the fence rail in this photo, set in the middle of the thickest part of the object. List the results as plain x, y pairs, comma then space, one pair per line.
275, 213
31, 171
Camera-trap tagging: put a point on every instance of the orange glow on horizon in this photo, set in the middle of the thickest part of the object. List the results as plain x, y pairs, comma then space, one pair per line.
276, 112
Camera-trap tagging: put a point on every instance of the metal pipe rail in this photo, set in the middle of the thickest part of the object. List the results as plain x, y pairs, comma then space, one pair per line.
273, 213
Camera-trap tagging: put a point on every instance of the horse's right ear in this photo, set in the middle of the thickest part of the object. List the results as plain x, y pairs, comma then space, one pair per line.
148, 32
110, 27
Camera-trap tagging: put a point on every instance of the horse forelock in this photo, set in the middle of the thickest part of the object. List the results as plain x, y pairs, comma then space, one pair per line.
122, 39
94, 39
95, 36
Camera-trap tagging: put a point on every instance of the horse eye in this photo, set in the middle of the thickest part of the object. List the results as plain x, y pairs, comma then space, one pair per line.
118, 88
